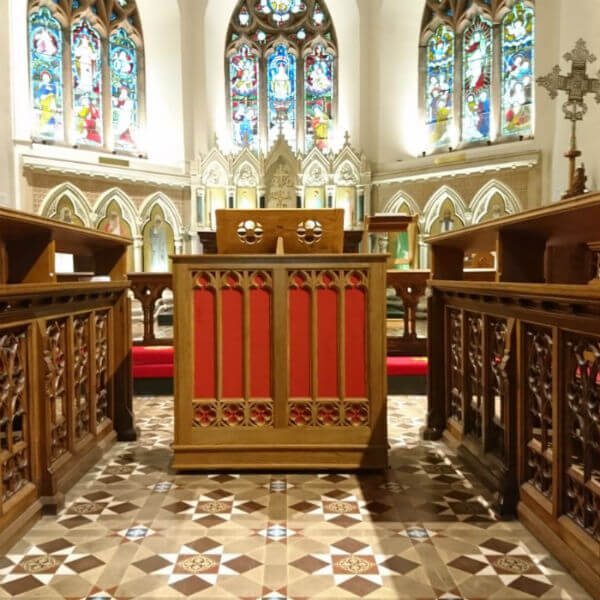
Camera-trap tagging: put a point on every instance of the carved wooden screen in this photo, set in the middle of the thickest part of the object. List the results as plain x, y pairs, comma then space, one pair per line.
102, 388
56, 386
475, 368
81, 376
455, 375
582, 465
15, 452
539, 348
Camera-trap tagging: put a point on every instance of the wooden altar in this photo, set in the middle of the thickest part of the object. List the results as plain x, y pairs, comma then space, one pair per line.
280, 357
65, 375
515, 370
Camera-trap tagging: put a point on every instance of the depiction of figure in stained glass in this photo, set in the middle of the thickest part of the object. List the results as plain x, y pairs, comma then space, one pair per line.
124, 89
517, 59
318, 97
282, 94
87, 83
440, 76
45, 55
243, 81
477, 77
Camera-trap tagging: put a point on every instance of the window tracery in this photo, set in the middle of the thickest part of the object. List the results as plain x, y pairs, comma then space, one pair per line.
477, 64
86, 73
281, 62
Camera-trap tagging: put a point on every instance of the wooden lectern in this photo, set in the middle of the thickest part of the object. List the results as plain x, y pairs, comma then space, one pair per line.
280, 347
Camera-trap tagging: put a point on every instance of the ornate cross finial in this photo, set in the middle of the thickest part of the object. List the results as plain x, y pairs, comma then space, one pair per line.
577, 85
347, 138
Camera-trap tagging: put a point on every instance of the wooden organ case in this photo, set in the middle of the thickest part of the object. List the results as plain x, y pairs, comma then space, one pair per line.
65, 373
280, 347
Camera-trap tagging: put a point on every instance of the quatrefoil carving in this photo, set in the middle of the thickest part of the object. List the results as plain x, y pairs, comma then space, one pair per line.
250, 232
310, 232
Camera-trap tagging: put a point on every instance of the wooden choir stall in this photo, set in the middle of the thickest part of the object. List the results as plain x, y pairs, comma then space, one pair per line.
515, 370
280, 347
65, 375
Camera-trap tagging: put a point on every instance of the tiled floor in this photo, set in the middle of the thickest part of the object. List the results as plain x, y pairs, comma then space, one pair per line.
133, 529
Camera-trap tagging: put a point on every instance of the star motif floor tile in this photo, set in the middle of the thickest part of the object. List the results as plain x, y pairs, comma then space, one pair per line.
424, 530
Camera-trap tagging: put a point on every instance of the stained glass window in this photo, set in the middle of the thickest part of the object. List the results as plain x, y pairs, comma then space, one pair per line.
281, 67
243, 82
86, 58
124, 90
517, 62
281, 60
477, 80
440, 84
45, 56
318, 101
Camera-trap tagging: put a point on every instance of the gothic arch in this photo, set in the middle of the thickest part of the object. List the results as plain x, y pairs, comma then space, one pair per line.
480, 203
398, 200
127, 206
49, 206
170, 212
432, 209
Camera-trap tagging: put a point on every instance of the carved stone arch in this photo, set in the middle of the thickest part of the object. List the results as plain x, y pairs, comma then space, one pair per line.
246, 174
480, 204
315, 174
170, 212
215, 175
433, 208
128, 209
399, 200
281, 151
347, 173
50, 205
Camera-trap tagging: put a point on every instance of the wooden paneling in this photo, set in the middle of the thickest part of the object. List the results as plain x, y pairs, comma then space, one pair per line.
317, 416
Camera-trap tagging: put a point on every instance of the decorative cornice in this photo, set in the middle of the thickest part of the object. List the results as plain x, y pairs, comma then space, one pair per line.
415, 173
118, 174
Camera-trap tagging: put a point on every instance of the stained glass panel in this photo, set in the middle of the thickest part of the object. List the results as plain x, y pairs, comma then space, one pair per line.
243, 81
281, 11
477, 80
440, 81
86, 57
319, 77
281, 85
517, 60
124, 90
45, 57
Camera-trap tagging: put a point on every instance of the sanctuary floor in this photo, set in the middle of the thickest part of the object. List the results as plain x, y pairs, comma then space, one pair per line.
132, 528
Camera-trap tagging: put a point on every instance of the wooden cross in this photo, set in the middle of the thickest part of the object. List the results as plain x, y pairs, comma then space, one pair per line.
577, 85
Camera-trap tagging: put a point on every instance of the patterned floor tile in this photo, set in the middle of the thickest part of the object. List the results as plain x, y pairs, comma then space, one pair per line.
424, 530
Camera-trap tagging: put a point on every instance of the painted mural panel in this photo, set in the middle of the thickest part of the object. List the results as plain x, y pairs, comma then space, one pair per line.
158, 242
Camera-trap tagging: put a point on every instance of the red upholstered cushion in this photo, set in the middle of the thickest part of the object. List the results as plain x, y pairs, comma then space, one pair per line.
153, 355
153, 371
406, 365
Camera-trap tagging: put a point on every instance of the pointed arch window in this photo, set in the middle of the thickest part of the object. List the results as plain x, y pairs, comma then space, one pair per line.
477, 81
282, 70
86, 73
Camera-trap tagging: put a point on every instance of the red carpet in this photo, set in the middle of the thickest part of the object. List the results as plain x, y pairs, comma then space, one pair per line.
153, 362
406, 365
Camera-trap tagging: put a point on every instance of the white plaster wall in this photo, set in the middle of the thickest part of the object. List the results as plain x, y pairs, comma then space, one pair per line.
6, 154
578, 19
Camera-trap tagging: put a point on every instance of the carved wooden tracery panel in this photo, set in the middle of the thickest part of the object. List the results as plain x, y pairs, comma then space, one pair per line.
330, 311
475, 367
239, 394
455, 350
14, 412
55, 360
500, 346
81, 368
102, 384
582, 494
538, 407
